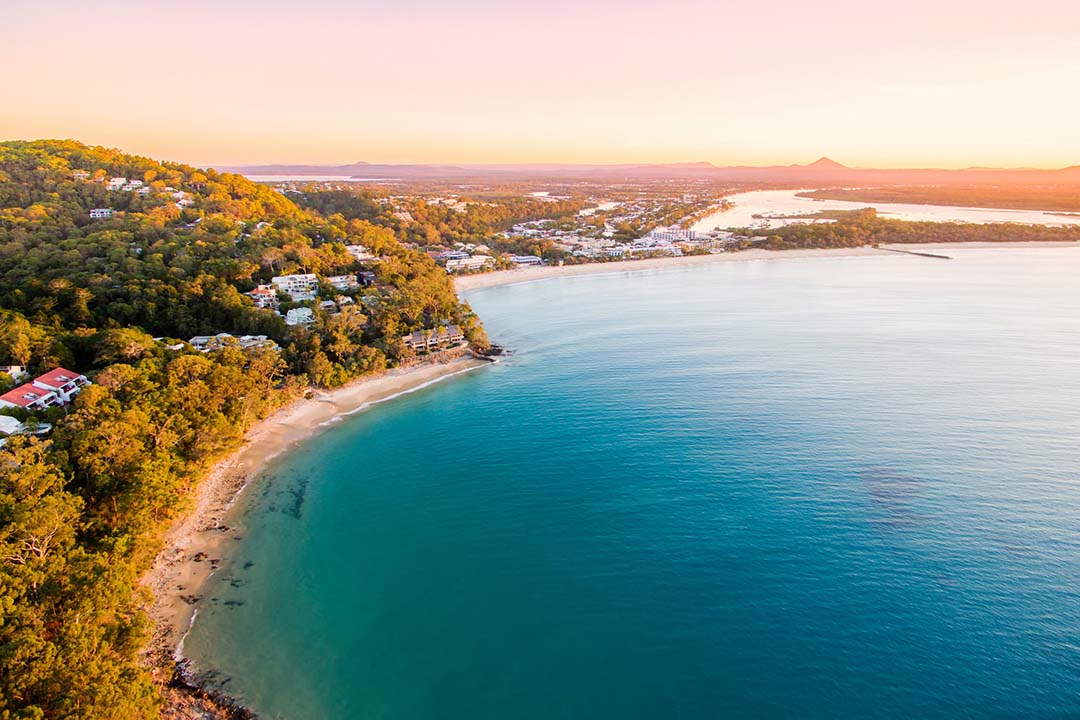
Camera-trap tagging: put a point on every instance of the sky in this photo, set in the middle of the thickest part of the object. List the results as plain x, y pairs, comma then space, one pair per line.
920, 83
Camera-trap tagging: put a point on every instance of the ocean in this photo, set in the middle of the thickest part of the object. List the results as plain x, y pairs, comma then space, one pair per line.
794, 488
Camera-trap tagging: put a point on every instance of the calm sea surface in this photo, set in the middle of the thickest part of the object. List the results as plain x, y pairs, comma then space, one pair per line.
840, 488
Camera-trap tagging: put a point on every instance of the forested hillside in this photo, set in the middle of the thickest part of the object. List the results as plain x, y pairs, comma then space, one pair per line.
82, 511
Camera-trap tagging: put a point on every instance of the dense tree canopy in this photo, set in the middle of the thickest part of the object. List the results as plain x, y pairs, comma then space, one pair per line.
82, 512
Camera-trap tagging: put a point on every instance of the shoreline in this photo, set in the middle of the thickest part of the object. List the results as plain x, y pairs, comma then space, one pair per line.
197, 543
467, 283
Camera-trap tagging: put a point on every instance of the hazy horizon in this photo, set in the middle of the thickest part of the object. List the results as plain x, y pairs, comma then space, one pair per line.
949, 84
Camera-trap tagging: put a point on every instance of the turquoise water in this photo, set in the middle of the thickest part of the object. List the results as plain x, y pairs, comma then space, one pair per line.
841, 488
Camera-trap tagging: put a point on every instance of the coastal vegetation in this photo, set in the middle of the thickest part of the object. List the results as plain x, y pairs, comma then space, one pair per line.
82, 513
1016, 197
857, 228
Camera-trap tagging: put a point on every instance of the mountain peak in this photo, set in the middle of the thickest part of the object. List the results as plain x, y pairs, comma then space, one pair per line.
824, 163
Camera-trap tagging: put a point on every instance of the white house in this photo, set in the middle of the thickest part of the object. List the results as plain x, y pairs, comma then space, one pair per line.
208, 343
300, 316
65, 383
116, 183
265, 296
101, 213
343, 282
17, 372
79, 175
298, 287
359, 252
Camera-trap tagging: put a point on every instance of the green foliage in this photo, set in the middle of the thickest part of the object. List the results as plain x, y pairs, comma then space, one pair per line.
82, 514
863, 227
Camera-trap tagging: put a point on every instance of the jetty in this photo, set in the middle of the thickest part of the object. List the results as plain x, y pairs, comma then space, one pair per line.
913, 252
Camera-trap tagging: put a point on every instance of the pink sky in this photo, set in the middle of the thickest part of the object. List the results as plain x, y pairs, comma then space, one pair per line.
946, 83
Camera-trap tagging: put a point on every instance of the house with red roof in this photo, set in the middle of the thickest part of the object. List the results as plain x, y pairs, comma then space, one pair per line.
30, 397
65, 383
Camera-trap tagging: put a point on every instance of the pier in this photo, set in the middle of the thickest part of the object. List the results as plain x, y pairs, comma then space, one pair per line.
913, 252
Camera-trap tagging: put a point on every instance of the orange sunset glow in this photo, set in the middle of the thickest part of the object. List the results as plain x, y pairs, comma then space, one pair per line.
945, 84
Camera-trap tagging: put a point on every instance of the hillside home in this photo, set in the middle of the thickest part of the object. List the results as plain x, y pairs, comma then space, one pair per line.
300, 316
343, 282
116, 183
298, 287
265, 296
65, 383
101, 213
30, 397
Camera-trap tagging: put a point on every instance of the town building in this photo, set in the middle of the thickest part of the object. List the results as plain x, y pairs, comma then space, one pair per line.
209, 343
298, 287
475, 262
366, 277
426, 340
343, 282
359, 252
300, 316
101, 213
526, 260
265, 296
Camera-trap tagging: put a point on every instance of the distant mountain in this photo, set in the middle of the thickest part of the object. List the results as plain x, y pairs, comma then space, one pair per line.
823, 172
825, 163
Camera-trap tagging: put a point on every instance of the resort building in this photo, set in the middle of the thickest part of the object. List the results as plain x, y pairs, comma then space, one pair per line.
476, 262
300, 316
101, 213
526, 260
426, 340
65, 383
298, 287
30, 397
343, 282
451, 255
265, 296
670, 235
209, 343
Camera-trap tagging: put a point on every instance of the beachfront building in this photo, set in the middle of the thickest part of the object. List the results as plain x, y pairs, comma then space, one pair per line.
522, 260
101, 213
264, 296
300, 316
467, 263
343, 283
298, 287
449, 255
65, 383
427, 340
667, 235
30, 397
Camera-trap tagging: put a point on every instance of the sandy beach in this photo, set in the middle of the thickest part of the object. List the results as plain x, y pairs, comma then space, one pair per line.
196, 545
464, 283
